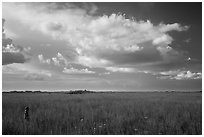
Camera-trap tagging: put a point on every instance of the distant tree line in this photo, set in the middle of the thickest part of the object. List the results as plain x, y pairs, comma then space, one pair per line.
38, 91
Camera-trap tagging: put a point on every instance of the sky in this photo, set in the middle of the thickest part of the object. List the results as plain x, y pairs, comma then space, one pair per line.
102, 46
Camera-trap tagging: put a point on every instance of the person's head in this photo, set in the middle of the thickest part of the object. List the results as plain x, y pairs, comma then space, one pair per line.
26, 108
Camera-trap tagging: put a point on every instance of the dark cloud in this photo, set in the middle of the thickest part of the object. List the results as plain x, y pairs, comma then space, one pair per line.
10, 57
10, 52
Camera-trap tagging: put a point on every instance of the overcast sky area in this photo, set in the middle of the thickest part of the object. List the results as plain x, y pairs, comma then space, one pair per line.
102, 46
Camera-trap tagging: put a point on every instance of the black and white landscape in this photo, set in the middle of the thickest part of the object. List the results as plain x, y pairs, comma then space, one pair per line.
103, 68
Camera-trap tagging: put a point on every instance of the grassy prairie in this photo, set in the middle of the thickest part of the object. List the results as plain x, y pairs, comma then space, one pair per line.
103, 113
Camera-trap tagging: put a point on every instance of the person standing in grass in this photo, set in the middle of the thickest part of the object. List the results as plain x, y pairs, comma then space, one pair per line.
26, 113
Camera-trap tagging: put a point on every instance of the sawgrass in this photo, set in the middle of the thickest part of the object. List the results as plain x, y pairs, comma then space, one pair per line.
103, 113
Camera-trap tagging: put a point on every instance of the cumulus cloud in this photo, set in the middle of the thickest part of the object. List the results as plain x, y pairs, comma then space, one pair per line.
180, 75
118, 69
92, 62
62, 59
133, 48
99, 41
10, 52
56, 61
164, 39
77, 71
59, 60
170, 27
42, 60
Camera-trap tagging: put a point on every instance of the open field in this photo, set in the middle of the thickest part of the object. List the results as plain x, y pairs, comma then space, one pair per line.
103, 113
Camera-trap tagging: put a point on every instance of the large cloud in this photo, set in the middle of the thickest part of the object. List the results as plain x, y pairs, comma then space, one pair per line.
100, 41
10, 52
